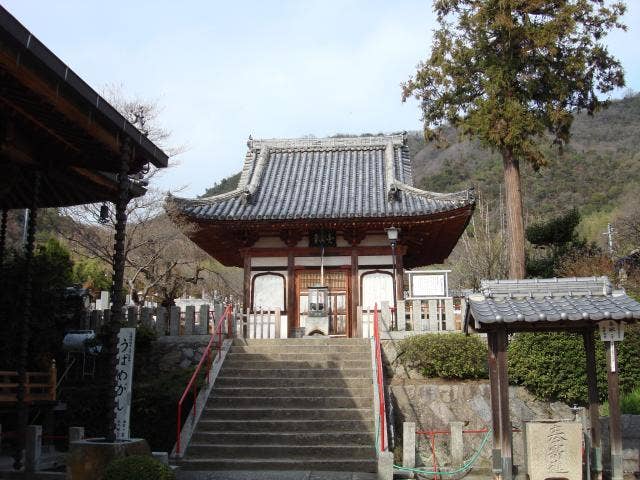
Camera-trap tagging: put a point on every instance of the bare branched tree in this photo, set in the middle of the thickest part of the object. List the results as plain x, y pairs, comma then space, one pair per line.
481, 252
161, 263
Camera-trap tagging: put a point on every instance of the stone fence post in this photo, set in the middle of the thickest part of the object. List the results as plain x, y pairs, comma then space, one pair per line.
33, 448
409, 444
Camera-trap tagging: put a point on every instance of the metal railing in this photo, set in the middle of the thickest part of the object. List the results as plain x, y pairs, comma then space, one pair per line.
380, 381
206, 359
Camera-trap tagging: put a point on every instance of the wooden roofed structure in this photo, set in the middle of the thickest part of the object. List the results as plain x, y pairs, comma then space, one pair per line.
61, 144
577, 305
351, 189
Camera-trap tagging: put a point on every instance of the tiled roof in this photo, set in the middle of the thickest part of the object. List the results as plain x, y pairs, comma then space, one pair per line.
550, 300
330, 178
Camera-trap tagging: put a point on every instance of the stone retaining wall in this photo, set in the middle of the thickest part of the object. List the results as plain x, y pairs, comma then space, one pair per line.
433, 403
170, 353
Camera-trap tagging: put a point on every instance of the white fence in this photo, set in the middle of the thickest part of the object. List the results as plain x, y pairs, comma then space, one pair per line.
413, 317
262, 324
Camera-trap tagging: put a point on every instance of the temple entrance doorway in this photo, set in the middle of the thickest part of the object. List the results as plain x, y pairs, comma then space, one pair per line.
337, 279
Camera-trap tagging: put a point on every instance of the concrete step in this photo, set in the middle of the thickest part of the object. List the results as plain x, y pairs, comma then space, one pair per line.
275, 451
285, 356
307, 391
272, 414
226, 381
306, 464
296, 373
290, 402
283, 438
207, 425
248, 361
303, 349
319, 341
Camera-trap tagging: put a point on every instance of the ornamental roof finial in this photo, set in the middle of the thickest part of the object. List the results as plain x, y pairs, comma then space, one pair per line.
250, 142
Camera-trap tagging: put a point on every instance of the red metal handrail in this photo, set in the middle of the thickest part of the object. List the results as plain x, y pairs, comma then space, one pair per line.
378, 353
206, 357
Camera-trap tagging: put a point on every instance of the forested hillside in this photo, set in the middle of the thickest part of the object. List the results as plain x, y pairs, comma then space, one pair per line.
597, 174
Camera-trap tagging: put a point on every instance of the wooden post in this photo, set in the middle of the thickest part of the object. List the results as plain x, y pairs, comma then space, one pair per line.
246, 294
277, 325
594, 414
355, 295
492, 361
615, 432
25, 330
292, 317
505, 420
53, 380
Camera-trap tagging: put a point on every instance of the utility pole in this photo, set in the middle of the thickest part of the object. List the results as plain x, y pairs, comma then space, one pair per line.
609, 234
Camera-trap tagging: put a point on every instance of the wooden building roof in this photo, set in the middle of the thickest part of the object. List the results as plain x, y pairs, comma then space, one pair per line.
53, 122
331, 178
346, 184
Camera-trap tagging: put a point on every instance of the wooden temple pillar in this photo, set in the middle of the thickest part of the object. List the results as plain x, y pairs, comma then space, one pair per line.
25, 331
3, 235
293, 320
117, 286
246, 285
355, 296
594, 415
500, 417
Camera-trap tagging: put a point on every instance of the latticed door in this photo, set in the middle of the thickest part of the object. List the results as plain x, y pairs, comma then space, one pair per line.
338, 283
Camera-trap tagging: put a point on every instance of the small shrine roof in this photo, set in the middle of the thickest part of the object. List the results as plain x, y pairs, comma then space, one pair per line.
567, 301
328, 178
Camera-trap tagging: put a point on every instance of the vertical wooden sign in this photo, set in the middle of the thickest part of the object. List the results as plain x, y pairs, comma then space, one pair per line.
124, 381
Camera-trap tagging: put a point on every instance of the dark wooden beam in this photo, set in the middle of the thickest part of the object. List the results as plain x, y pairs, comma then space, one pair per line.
594, 406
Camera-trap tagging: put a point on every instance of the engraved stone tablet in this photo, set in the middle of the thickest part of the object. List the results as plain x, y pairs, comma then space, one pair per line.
554, 450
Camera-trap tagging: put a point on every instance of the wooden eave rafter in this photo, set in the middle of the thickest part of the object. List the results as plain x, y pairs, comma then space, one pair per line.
38, 87
224, 239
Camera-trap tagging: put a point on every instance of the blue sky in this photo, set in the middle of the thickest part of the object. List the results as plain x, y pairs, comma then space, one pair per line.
224, 70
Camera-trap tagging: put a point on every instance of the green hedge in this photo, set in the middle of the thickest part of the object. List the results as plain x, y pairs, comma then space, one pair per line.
138, 467
553, 365
445, 355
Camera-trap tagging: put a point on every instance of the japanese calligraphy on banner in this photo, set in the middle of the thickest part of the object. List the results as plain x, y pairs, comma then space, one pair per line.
611, 331
124, 378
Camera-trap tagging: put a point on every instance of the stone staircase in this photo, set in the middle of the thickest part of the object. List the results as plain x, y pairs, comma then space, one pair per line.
294, 404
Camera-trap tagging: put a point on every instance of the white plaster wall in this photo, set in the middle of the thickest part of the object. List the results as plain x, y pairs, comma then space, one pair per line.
268, 261
269, 242
376, 288
269, 292
375, 240
375, 260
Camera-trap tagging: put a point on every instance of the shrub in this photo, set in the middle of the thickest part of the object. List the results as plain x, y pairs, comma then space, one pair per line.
445, 355
553, 365
138, 467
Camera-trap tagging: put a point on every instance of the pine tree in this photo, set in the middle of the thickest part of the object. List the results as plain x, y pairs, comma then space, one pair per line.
507, 72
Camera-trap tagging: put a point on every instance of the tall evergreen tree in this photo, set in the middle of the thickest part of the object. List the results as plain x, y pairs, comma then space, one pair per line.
506, 72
